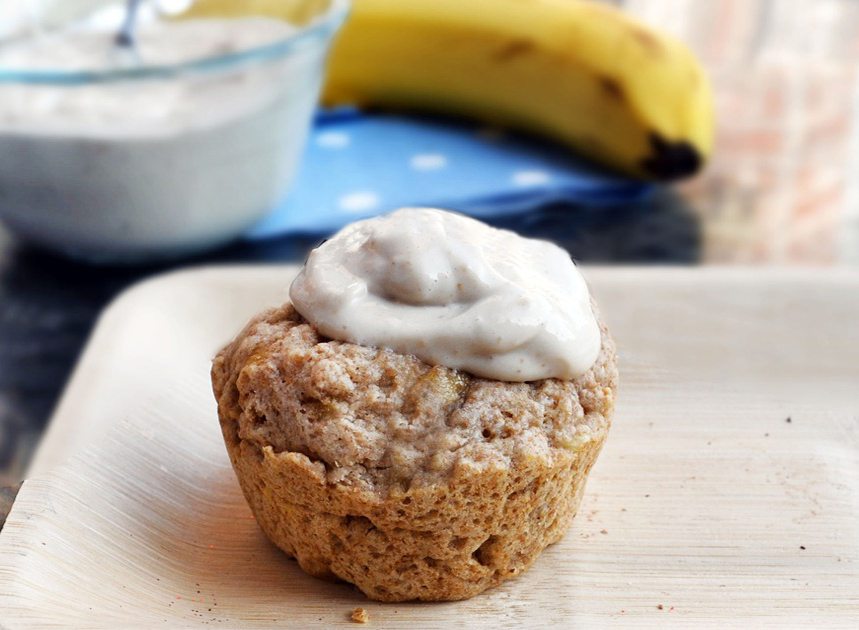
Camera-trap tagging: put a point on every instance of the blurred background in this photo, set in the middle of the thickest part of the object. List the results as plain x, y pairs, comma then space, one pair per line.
778, 188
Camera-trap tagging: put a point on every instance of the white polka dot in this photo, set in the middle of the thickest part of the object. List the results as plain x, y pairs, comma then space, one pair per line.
358, 201
530, 178
332, 140
428, 161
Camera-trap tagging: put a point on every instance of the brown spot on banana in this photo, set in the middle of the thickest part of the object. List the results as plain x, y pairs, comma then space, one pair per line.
647, 40
513, 49
670, 159
612, 88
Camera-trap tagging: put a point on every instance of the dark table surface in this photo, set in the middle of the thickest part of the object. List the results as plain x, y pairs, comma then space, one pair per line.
48, 304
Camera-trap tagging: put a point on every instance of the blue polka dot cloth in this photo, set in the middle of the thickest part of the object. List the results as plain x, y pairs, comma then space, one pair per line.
359, 165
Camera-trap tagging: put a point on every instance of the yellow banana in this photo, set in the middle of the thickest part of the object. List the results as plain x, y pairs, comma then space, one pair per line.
293, 11
580, 72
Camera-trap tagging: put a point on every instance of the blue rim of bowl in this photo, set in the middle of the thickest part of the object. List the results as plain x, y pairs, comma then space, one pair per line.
322, 28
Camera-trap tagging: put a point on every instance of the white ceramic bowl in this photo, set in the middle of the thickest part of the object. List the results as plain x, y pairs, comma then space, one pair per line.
137, 190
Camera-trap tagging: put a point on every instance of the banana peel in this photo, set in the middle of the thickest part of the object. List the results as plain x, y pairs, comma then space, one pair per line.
581, 73
298, 12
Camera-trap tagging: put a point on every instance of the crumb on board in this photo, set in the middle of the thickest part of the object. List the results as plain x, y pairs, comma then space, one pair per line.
788, 420
603, 531
360, 615
660, 606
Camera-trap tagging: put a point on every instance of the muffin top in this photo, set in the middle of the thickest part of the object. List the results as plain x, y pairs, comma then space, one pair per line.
381, 419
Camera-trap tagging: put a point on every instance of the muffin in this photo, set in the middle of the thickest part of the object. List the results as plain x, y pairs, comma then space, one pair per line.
410, 480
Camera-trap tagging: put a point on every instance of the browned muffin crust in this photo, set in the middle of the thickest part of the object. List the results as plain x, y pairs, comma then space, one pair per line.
409, 480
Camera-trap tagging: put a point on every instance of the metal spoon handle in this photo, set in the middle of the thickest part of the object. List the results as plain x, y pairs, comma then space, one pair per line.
125, 36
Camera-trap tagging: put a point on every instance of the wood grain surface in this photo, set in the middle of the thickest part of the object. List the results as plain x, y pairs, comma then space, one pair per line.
727, 494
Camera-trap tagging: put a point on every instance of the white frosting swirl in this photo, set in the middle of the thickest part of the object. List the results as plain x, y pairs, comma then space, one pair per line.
452, 291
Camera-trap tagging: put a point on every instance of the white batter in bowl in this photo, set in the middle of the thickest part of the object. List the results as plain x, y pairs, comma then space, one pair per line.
174, 147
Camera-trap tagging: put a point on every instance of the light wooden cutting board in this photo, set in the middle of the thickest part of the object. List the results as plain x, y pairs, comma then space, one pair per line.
727, 494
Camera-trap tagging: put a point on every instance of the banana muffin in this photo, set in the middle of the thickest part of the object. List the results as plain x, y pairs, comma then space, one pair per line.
411, 480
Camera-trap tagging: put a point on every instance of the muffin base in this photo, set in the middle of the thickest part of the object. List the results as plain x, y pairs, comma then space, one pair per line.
410, 481
431, 544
